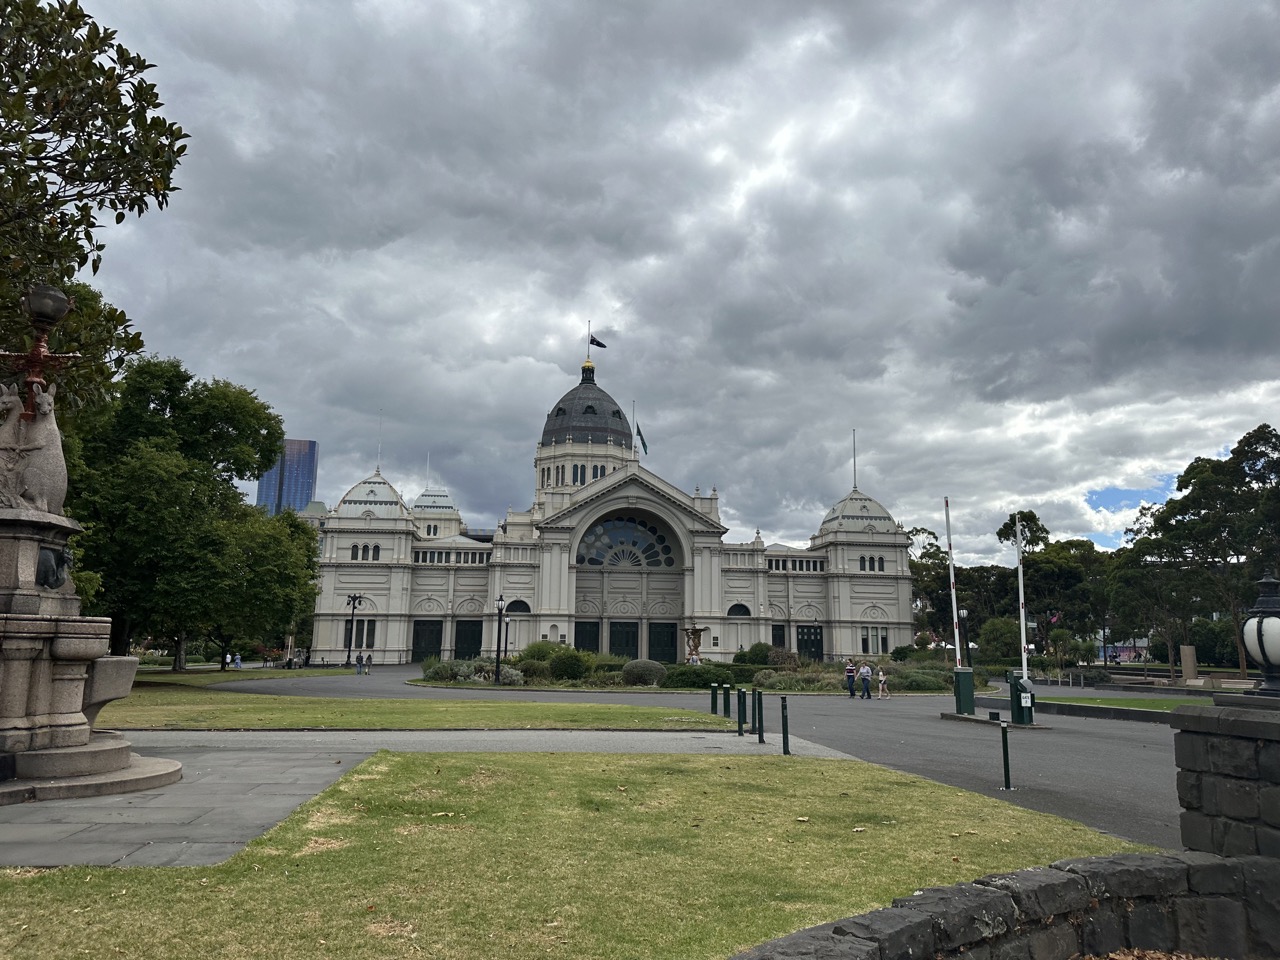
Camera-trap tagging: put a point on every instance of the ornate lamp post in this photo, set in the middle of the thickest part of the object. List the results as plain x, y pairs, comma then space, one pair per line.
1262, 634
354, 600
497, 645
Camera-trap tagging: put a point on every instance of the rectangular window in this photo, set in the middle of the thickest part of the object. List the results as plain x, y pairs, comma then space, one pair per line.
359, 634
884, 639
368, 637
866, 642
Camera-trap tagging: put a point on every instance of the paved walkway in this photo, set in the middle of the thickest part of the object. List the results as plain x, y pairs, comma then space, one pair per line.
1115, 776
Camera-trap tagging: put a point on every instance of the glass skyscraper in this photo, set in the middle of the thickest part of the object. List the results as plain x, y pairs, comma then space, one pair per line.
291, 483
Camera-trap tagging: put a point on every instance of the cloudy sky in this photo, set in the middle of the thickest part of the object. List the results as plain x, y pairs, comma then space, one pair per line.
1030, 251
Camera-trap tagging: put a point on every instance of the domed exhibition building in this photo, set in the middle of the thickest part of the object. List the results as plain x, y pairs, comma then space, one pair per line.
609, 557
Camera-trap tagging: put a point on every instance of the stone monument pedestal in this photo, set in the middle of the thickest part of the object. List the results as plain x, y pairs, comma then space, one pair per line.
55, 676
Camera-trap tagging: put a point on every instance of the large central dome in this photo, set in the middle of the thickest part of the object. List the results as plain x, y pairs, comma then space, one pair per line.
586, 414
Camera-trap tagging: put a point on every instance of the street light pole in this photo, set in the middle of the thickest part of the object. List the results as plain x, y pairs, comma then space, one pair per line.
497, 643
354, 600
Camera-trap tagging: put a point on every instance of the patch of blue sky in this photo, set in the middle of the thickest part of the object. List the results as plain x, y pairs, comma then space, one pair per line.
1128, 498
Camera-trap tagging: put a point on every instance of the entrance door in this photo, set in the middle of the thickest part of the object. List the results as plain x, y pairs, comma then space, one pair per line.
624, 639
809, 643
428, 637
586, 635
780, 635
662, 642
467, 637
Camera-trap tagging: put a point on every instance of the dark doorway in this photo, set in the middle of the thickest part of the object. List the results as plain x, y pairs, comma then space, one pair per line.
624, 640
780, 635
809, 642
586, 636
467, 638
428, 639
662, 642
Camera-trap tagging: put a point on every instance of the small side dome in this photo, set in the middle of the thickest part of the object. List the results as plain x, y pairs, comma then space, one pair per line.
433, 501
372, 495
857, 511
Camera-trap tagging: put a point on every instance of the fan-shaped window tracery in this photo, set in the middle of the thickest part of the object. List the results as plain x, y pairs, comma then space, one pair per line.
626, 542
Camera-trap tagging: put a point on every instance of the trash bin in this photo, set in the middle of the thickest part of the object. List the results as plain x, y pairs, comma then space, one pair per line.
964, 690
1022, 700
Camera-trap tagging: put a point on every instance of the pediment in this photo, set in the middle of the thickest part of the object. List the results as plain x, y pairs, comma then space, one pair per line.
635, 488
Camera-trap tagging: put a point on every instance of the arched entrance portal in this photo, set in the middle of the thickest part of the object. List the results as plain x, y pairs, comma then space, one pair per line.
630, 587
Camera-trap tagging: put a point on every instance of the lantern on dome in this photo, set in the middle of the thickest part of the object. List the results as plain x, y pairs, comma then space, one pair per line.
1262, 634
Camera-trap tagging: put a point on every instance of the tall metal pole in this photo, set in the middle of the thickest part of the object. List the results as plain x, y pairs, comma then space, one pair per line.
353, 600
497, 642
1022, 597
951, 574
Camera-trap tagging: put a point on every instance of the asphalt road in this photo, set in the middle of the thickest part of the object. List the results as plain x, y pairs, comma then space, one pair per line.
1115, 776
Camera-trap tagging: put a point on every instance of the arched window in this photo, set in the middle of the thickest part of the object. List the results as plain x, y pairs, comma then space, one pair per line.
377, 550
582, 472
589, 409
739, 610
881, 561
560, 411
518, 606
364, 552
355, 551
862, 563
625, 542
575, 473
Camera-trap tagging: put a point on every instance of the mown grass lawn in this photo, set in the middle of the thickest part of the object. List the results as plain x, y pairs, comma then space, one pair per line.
185, 706
523, 856
1133, 703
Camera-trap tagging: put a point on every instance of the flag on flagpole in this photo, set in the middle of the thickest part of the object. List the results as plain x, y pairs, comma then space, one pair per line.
591, 339
640, 436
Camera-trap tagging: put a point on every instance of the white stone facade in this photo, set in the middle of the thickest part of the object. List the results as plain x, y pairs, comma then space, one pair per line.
610, 557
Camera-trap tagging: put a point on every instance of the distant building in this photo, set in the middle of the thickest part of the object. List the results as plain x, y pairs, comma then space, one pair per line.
291, 483
609, 557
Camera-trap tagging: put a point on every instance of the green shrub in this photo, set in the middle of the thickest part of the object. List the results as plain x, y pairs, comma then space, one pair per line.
900, 654
758, 653
921, 680
605, 678
696, 675
608, 662
535, 669
510, 677
1089, 675
643, 673
781, 657
569, 664
763, 677
451, 671
429, 664
542, 650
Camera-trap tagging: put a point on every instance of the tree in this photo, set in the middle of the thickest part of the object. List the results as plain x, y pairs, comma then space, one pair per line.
1034, 533
79, 135
165, 525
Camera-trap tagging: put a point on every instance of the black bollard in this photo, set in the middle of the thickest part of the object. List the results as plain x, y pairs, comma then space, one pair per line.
742, 709
1004, 744
713, 697
753, 710
760, 715
727, 687
786, 738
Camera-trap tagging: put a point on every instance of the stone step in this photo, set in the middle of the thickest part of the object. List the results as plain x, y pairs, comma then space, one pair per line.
142, 773
104, 753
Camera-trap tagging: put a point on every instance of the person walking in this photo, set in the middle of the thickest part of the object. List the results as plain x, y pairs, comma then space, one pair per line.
883, 693
850, 676
237, 663
368, 663
359, 664
864, 674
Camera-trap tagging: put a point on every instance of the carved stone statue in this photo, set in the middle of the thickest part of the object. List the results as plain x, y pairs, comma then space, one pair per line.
44, 477
693, 640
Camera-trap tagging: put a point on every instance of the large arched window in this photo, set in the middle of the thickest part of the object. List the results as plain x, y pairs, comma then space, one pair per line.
355, 551
518, 606
377, 551
880, 563
862, 563
739, 610
364, 552
626, 542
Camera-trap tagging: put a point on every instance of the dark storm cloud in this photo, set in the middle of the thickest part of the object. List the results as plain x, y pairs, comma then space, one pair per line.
1027, 249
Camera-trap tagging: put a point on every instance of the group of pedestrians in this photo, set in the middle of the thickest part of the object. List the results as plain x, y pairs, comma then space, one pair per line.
859, 677
363, 664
